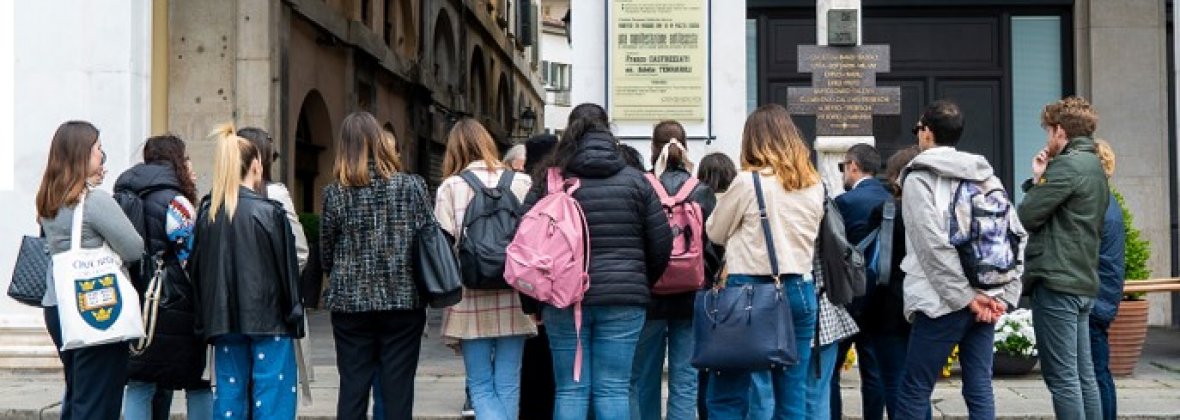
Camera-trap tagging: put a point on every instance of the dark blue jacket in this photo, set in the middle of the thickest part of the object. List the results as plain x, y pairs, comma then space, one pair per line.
856, 207
1111, 264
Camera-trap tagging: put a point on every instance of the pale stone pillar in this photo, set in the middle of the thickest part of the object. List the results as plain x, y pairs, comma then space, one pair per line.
831, 149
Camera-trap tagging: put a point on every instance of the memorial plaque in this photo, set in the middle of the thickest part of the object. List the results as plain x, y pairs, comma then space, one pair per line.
842, 27
844, 95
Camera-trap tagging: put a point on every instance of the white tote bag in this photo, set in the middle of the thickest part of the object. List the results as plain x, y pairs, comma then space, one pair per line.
95, 300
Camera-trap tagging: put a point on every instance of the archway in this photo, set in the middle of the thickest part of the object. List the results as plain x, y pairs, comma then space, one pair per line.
313, 137
506, 114
477, 87
444, 51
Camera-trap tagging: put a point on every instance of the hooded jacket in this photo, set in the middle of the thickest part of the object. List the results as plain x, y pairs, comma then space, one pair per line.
1065, 213
935, 284
176, 357
245, 272
630, 241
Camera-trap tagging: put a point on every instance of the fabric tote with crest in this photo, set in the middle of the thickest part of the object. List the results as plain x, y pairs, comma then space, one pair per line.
96, 302
756, 317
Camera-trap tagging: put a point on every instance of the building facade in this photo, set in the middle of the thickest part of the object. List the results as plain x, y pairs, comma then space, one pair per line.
295, 68
556, 63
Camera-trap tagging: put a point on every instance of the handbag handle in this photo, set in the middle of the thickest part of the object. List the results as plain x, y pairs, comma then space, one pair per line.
766, 232
76, 224
151, 308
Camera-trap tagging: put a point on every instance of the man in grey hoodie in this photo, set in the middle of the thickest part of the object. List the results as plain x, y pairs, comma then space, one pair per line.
940, 302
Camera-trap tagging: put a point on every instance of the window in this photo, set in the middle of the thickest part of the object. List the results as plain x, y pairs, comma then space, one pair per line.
365, 12
555, 76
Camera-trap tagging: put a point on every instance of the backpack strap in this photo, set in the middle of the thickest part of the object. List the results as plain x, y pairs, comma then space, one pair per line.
505, 183
472, 180
766, 233
658, 186
556, 182
686, 190
885, 242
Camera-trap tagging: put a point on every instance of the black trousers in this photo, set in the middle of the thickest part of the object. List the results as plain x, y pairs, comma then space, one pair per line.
537, 390
387, 342
95, 376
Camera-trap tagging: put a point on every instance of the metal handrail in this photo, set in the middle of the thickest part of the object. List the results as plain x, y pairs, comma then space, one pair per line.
1152, 285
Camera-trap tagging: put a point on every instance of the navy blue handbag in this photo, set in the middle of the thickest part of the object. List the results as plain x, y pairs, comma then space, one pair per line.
746, 327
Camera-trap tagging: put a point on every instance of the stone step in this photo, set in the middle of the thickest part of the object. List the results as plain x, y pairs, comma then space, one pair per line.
27, 348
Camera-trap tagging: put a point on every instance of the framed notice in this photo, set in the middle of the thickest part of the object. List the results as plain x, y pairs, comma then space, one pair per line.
658, 59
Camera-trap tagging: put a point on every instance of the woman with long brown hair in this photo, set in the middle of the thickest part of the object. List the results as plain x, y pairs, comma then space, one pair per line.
371, 214
772, 150
94, 375
245, 275
175, 359
488, 325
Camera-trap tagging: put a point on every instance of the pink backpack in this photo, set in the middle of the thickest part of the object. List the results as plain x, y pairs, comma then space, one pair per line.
549, 257
686, 269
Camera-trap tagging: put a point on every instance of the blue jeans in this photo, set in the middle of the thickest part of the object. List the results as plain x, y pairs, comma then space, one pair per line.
761, 396
609, 335
936, 337
658, 335
493, 376
255, 373
1100, 352
890, 352
729, 392
1062, 325
872, 387
137, 402
820, 389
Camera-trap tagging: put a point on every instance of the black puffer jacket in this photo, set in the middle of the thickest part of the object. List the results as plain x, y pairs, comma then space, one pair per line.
679, 306
176, 357
630, 241
245, 272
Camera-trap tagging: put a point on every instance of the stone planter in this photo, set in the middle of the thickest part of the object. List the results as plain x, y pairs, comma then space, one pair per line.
1005, 364
1127, 333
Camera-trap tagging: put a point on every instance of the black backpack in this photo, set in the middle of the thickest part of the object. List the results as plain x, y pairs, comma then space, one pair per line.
842, 262
488, 227
134, 205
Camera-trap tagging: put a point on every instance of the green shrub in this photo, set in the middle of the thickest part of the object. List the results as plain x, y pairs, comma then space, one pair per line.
1138, 250
311, 226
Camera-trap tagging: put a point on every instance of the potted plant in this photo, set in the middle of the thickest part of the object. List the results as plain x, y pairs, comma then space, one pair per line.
1015, 344
1129, 328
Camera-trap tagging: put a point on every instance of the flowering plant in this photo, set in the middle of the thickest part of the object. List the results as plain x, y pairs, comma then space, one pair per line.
1014, 334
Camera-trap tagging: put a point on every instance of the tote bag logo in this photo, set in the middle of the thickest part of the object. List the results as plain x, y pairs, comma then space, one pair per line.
99, 301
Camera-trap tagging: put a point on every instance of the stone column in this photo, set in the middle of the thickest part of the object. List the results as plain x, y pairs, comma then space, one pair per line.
1121, 68
831, 149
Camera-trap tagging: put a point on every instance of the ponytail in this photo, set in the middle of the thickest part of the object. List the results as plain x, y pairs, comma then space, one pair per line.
669, 147
232, 158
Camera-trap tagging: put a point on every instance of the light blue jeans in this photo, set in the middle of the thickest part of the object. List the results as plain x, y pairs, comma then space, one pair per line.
609, 335
137, 401
493, 376
674, 336
761, 396
819, 389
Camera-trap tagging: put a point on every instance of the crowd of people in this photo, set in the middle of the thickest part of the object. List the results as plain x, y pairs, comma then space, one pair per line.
230, 265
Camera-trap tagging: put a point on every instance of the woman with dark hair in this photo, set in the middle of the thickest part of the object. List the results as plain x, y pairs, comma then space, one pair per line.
94, 375
246, 280
371, 215
717, 171
276, 190
175, 359
778, 167
630, 242
536, 370
667, 333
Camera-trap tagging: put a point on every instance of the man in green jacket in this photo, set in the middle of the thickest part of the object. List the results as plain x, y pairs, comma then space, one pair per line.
1063, 211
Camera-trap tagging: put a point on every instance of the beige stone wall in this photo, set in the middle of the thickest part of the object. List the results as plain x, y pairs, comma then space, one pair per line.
327, 71
1121, 68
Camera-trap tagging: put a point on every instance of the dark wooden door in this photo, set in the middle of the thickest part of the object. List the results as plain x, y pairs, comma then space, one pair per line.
960, 55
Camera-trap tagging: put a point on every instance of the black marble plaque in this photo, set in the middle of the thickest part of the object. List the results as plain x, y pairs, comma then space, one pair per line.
844, 95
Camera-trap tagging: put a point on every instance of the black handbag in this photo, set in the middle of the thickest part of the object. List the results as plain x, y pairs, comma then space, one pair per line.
29, 274
747, 327
436, 267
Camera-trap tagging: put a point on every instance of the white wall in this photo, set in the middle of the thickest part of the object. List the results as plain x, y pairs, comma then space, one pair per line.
556, 48
71, 59
728, 75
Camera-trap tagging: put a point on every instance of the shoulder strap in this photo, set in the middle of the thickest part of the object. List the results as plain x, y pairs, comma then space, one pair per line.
76, 225
766, 233
885, 242
472, 180
556, 182
686, 190
661, 192
505, 182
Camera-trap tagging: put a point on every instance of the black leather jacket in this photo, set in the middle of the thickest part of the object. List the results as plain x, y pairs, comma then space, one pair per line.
245, 272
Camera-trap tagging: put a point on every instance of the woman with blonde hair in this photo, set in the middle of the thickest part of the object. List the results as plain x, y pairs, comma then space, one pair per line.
245, 275
371, 214
94, 375
488, 325
772, 151
1111, 272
